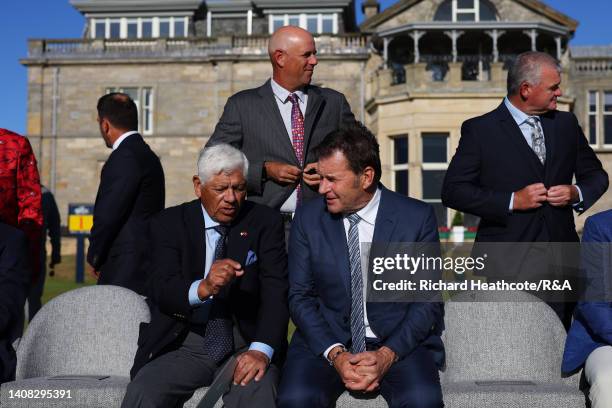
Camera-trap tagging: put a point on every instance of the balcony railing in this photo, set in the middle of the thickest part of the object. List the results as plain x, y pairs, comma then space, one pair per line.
595, 66
348, 44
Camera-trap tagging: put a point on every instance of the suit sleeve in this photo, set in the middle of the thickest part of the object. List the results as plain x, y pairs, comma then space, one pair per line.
461, 189
421, 317
53, 224
29, 198
590, 176
303, 303
230, 130
13, 279
273, 313
346, 115
119, 184
166, 285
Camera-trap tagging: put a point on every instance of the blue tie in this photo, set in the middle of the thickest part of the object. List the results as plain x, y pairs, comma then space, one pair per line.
357, 321
219, 337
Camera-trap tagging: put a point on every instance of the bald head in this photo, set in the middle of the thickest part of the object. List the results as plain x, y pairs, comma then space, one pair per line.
292, 52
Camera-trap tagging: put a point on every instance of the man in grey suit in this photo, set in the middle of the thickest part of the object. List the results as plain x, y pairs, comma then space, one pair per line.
279, 124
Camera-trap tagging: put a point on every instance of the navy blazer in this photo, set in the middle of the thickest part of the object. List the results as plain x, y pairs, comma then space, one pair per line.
319, 279
592, 325
493, 160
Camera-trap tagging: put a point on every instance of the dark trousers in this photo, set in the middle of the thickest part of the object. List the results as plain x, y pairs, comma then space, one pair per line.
171, 379
36, 290
308, 381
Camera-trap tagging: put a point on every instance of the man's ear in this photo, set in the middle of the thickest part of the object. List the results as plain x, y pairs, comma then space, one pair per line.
524, 90
197, 186
367, 177
279, 58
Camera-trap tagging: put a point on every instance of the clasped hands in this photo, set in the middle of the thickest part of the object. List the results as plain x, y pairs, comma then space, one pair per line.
284, 173
533, 195
364, 371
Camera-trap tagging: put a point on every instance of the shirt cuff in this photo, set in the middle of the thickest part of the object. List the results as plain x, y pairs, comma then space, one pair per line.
194, 299
327, 350
263, 347
579, 203
511, 202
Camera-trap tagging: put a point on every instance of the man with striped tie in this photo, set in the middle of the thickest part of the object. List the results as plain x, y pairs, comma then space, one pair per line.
342, 341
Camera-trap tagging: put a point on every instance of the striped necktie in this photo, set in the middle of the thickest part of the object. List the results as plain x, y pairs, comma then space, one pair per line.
357, 320
297, 136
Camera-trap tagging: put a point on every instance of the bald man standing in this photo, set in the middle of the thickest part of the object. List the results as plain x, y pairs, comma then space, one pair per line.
279, 124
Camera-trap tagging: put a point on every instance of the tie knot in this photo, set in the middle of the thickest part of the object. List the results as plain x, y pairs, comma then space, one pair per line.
353, 219
533, 120
221, 230
292, 98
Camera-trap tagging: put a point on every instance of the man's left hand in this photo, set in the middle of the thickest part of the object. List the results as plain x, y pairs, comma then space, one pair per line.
311, 178
562, 195
252, 364
374, 364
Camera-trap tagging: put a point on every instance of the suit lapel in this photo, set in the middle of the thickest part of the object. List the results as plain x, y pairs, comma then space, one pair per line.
316, 102
385, 221
516, 137
276, 120
548, 126
194, 223
333, 228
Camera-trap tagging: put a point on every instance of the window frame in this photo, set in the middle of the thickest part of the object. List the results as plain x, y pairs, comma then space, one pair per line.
140, 21
140, 105
303, 21
400, 166
434, 166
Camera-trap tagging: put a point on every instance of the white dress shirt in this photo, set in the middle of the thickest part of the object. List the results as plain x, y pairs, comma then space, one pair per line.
285, 106
122, 138
366, 234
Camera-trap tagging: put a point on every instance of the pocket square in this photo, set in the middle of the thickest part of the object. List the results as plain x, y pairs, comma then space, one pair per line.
251, 258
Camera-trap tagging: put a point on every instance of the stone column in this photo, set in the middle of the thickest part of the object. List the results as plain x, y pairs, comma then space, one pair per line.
558, 41
533, 34
416, 35
495, 34
454, 35
386, 51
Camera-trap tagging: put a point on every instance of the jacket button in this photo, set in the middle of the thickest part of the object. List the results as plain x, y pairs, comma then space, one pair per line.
150, 355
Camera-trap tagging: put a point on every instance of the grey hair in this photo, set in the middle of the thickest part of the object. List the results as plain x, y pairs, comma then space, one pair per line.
220, 158
528, 68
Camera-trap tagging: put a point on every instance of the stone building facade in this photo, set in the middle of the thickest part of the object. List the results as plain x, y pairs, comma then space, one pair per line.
413, 73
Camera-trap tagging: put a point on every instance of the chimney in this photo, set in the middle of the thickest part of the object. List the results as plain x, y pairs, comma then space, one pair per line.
370, 8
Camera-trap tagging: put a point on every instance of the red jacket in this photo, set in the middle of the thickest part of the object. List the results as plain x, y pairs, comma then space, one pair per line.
20, 197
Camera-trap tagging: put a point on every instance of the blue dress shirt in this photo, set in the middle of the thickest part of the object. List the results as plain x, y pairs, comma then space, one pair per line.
520, 118
212, 236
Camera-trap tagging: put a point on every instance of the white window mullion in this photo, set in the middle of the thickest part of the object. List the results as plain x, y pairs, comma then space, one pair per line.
303, 24
123, 27
209, 24
335, 23
319, 23
477, 10
92, 28
249, 22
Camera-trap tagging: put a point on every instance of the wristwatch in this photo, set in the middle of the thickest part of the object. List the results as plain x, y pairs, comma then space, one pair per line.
332, 357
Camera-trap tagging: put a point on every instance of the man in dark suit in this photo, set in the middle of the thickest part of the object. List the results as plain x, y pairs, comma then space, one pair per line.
14, 279
131, 191
589, 340
219, 263
51, 228
278, 124
514, 166
342, 341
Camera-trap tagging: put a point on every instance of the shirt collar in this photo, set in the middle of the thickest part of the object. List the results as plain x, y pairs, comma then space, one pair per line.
282, 94
369, 212
208, 221
518, 115
122, 138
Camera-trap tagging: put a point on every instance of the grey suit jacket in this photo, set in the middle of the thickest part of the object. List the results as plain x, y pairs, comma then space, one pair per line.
252, 122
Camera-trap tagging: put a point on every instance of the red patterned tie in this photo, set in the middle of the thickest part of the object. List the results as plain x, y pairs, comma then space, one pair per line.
297, 136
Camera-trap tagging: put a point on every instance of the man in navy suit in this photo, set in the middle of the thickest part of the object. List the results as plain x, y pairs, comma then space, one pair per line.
589, 341
343, 342
14, 280
131, 191
514, 168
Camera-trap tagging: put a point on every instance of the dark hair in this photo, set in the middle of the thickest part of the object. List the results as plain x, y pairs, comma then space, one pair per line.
357, 144
119, 109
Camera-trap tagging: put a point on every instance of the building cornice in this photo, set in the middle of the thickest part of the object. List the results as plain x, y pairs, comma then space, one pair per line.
483, 25
106, 6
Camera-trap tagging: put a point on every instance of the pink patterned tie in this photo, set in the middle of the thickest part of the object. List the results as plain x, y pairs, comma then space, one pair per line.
297, 136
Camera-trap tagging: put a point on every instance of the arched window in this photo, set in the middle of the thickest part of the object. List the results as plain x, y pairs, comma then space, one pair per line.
465, 10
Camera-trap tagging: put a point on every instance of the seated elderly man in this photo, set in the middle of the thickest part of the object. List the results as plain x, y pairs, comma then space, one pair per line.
589, 340
219, 268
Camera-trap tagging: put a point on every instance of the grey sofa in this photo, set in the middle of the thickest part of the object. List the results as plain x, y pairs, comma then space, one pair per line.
503, 350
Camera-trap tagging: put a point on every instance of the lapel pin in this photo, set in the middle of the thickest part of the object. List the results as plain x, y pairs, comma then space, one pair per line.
243, 233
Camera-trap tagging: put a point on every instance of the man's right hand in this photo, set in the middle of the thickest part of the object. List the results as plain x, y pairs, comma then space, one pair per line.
282, 173
348, 373
221, 273
529, 197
